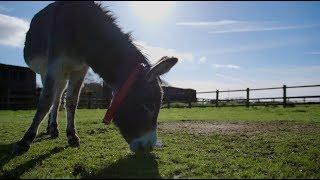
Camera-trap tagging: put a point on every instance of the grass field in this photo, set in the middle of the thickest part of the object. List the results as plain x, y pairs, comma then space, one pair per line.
228, 142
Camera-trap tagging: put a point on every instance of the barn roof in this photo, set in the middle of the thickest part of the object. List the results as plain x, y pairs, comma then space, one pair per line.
14, 66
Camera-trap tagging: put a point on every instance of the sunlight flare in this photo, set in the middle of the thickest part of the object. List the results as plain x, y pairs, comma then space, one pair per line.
152, 11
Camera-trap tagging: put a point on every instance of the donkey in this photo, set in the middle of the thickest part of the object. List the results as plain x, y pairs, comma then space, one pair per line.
63, 41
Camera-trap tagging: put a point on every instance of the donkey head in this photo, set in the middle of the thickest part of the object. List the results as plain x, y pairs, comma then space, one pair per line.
137, 115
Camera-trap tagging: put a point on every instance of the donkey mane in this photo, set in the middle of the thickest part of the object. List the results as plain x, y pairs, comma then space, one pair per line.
109, 17
121, 43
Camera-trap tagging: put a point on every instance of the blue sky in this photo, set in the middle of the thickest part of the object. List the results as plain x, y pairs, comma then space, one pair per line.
221, 45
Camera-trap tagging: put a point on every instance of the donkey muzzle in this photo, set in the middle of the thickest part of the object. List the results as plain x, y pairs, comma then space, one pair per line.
145, 143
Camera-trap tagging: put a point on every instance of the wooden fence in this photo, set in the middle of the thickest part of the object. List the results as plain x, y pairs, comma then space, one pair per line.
16, 102
27, 101
284, 100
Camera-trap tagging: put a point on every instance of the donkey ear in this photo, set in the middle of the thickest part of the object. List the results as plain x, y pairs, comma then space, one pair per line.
162, 67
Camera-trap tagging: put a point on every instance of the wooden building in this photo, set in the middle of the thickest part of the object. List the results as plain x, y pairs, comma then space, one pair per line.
18, 87
172, 94
95, 95
18, 91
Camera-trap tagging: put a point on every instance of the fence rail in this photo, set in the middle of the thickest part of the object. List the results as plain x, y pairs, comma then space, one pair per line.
17, 101
248, 101
22, 101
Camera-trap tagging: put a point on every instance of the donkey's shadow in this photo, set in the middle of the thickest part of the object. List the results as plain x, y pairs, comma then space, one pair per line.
6, 150
131, 166
6, 156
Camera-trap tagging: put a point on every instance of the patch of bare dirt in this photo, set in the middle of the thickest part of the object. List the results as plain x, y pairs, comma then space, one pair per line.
201, 127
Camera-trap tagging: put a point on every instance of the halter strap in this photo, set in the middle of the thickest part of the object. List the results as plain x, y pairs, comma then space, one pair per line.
122, 93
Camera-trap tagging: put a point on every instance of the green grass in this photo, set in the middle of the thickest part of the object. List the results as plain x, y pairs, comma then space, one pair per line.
236, 114
103, 152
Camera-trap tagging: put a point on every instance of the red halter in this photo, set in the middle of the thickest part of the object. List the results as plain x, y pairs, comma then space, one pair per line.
122, 93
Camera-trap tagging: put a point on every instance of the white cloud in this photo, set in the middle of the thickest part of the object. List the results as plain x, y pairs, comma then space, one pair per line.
207, 23
12, 31
38, 81
244, 81
255, 29
155, 53
313, 53
191, 68
4, 8
92, 77
226, 66
202, 59
234, 26
199, 85
252, 47
294, 71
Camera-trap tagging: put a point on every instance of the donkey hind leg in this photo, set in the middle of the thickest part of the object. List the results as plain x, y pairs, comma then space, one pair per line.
54, 81
72, 97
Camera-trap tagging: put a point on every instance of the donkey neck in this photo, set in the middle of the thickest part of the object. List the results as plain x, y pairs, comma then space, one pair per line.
127, 61
129, 65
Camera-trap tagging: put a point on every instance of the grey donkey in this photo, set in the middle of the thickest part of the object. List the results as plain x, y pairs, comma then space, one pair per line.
64, 40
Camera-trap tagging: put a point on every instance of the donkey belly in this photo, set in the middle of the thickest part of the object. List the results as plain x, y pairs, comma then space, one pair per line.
66, 65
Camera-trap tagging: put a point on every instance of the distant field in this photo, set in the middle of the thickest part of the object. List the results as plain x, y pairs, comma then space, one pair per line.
226, 142
255, 114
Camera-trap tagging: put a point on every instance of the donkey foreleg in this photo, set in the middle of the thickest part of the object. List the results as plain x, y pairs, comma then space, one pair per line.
52, 128
72, 98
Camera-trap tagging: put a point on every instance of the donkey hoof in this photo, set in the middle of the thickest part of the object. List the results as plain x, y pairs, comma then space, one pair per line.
54, 132
20, 148
74, 141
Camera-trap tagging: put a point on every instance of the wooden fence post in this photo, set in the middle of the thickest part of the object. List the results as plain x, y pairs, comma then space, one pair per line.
248, 98
89, 101
8, 100
189, 104
217, 98
284, 95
